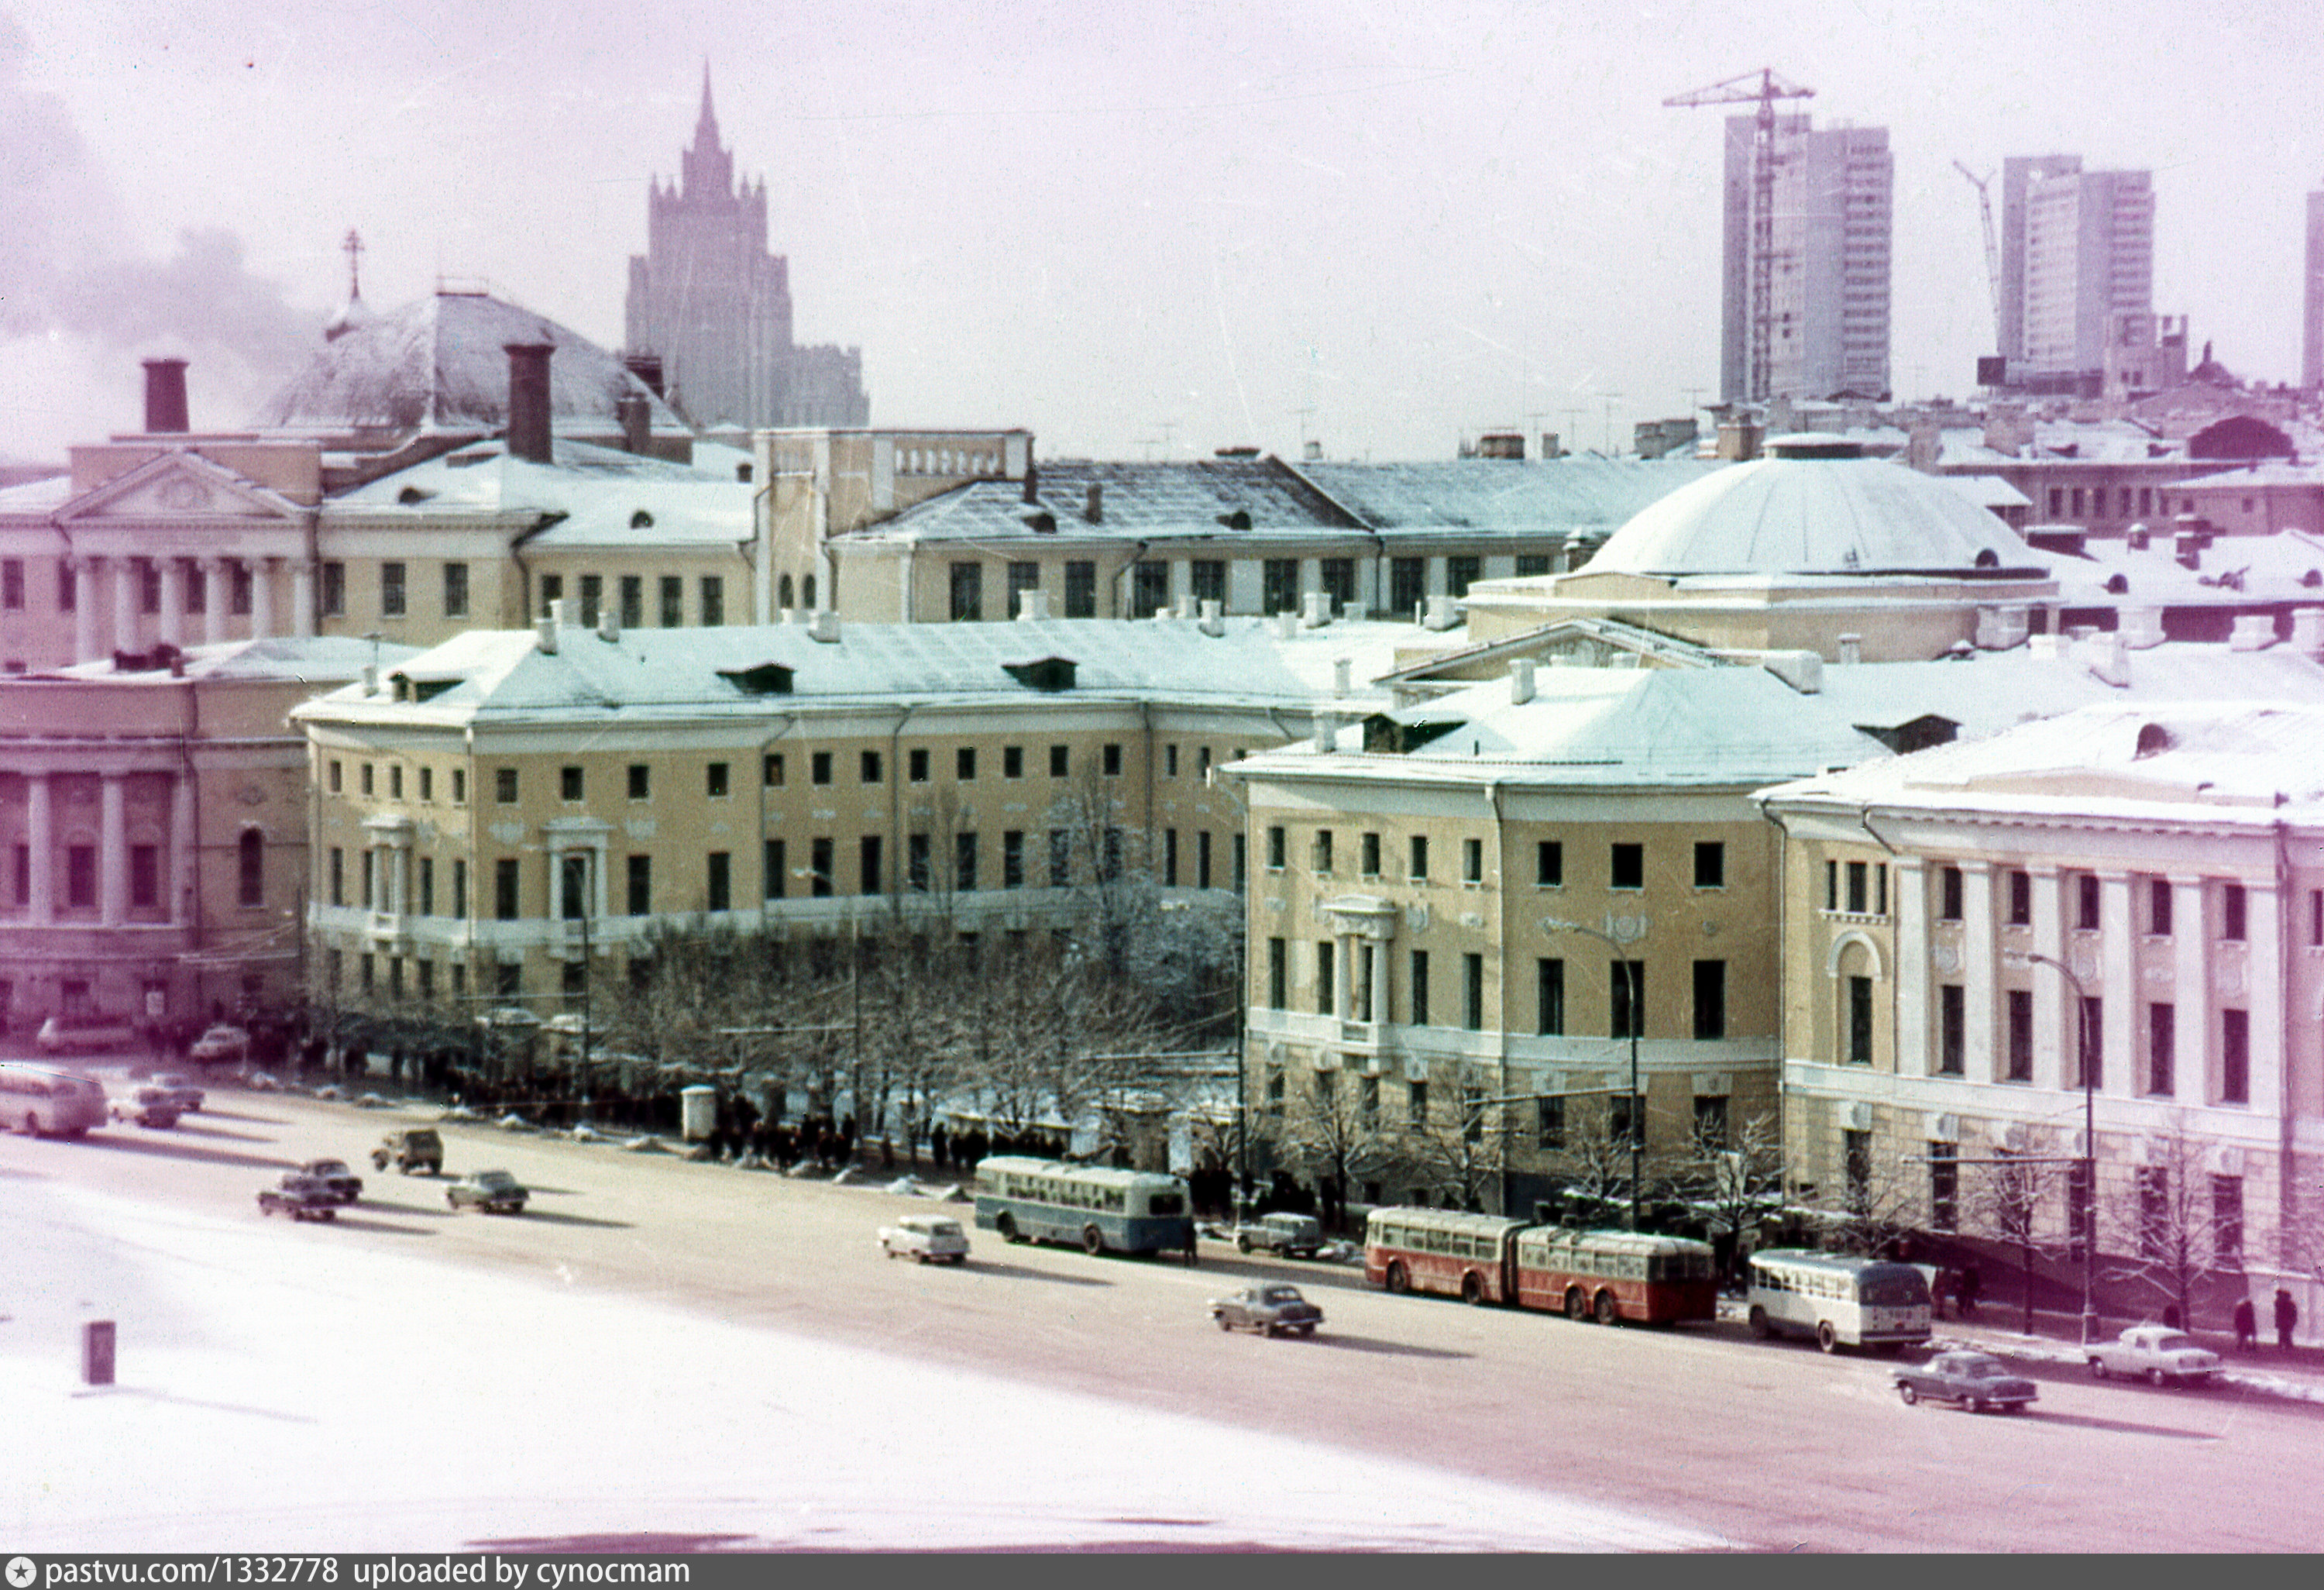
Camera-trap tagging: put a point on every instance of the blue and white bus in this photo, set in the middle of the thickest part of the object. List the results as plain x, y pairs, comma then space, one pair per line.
42, 1101
1030, 1200
1837, 1299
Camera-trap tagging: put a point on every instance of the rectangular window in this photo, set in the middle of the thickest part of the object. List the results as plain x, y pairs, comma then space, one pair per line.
1280, 585
1081, 589
395, 781
673, 601
715, 781
774, 869
1202, 858
505, 877
552, 591
1859, 879
1169, 858
1023, 576
2154, 1233
867, 767
1420, 988
2158, 906
67, 587
640, 885
1419, 869
1549, 1122
1462, 571
1626, 867
363, 773
456, 590
634, 601
460, 891
2231, 911
964, 849
459, 786
1277, 847
1012, 762
1059, 761
2021, 898
593, 599
12, 583
149, 585
427, 885
1207, 580
818, 767
719, 880
1627, 982
1012, 859
1472, 992
1407, 586
1368, 852
2235, 1057
569, 784
1952, 1027
1326, 964
334, 777
391, 590
1473, 861
713, 601
1710, 1000
1322, 850
1109, 762
504, 785
81, 876
916, 863
2086, 902
821, 864
334, 589
967, 592
1949, 894
1856, 1166
868, 860
2021, 1035
1415, 1103
1149, 590
2090, 1070
2227, 1218
1710, 1121
1709, 865
1944, 1187
427, 784
963, 765
337, 876
1241, 860
2161, 1048
641, 781
1061, 858
1549, 980
1278, 974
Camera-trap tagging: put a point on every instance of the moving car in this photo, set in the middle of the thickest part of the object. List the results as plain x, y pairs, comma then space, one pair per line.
925, 1237
180, 1089
222, 1042
1271, 1310
1297, 1236
1977, 1380
2157, 1352
417, 1149
495, 1192
344, 1184
148, 1106
85, 1034
300, 1196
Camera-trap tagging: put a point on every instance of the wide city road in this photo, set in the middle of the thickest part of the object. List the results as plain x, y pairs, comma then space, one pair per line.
1759, 1446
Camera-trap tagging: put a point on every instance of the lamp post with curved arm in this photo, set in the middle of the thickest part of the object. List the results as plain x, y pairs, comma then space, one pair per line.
1638, 1019
2087, 1218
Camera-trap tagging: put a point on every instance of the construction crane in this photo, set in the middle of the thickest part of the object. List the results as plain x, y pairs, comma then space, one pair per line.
1992, 249
1761, 88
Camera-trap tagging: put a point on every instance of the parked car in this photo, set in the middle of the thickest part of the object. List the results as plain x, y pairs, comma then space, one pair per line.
417, 1147
181, 1089
220, 1043
2157, 1352
925, 1237
1977, 1380
300, 1196
1297, 1236
345, 1184
148, 1106
495, 1192
85, 1034
1271, 1310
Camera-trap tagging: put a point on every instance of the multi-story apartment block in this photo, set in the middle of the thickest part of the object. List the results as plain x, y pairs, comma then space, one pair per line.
2077, 258
2137, 883
2311, 300
1829, 292
489, 806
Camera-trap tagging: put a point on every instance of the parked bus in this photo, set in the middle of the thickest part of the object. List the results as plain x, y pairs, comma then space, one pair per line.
1051, 1200
1463, 1256
41, 1100
1614, 1275
1840, 1299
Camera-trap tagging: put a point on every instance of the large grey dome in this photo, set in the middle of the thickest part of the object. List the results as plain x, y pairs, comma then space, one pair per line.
441, 363
1814, 506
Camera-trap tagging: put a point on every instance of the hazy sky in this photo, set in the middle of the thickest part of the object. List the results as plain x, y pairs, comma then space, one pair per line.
1138, 232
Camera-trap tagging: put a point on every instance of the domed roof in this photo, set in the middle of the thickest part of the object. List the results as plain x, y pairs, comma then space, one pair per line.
1815, 505
442, 363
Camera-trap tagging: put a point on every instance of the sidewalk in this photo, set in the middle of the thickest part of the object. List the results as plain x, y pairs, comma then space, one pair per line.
2297, 1376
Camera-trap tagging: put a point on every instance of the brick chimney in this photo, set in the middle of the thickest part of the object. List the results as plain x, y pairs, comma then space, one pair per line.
527, 409
165, 397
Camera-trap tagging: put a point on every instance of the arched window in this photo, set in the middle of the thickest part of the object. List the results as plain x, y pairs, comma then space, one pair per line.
807, 591
783, 593
251, 857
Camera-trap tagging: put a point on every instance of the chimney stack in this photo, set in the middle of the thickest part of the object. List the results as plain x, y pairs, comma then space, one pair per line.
165, 397
1032, 604
1520, 681
546, 627
1213, 621
1314, 609
637, 423
1851, 650
1094, 509
1343, 672
527, 407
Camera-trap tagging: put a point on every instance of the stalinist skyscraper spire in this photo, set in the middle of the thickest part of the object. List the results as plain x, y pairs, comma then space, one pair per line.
714, 306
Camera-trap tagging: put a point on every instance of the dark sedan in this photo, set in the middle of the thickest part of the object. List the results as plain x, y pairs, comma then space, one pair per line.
1977, 1380
1271, 1310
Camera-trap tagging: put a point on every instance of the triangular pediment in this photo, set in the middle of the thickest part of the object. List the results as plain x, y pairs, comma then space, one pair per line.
175, 489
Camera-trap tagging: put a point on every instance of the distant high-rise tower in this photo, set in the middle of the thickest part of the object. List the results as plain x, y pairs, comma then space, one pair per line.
1830, 292
2311, 361
709, 300
2077, 254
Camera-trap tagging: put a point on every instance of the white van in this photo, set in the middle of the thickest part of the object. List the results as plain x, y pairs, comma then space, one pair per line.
929, 1238
86, 1035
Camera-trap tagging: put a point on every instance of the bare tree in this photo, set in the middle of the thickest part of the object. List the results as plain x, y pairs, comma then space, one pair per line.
2007, 1194
1734, 1175
1459, 1153
2170, 1238
1331, 1128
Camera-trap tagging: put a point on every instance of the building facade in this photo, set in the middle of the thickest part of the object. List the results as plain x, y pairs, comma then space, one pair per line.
1828, 293
2078, 264
2312, 300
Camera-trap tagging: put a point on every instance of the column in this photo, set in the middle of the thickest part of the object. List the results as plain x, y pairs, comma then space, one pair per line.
2266, 997
2117, 989
1979, 949
1343, 981
113, 851
217, 594
262, 597
179, 879
41, 841
2191, 937
1911, 972
84, 598
125, 603
2053, 996
173, 600
302, 597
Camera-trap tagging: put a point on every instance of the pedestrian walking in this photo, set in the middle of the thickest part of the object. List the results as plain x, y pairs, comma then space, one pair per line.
2247, 1326
2287, 1315
1965, 1290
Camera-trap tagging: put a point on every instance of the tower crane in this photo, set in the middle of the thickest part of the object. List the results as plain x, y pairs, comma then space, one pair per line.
1761, 88
1992, 249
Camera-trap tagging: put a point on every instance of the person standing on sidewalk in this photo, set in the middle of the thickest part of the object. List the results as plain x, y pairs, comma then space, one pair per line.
2247, 1326
2287, 1315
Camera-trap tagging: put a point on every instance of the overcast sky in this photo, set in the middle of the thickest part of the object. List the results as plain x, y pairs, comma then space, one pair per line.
1138, 232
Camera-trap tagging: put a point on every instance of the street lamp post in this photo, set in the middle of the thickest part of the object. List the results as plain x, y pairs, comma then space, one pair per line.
1637, 1020
2088, 1214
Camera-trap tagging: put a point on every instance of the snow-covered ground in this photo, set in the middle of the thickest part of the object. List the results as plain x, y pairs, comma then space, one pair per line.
280, 1387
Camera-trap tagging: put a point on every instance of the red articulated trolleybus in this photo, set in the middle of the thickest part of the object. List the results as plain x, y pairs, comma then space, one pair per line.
1608, 1276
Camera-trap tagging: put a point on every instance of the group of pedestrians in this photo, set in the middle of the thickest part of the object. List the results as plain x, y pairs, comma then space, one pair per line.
2287, 1315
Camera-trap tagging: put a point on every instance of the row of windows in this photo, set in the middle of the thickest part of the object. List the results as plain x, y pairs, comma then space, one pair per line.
1861, 888
1625, 995
1626, 866
629, 591
1280, 584
145, 876
1549, 1111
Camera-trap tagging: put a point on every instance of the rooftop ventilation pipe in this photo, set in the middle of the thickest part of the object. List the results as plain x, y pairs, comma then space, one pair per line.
1342, 668
824, 626
1314, 609
2253, 632
1520, 681
165, 397
609, 622
1327, 730
1851, 650
546, 627
1437, 613
1287, 624
1213, 620
1032, 604
527, 406
2308, 632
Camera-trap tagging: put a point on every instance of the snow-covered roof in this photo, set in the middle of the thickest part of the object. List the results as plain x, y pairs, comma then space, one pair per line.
1503, 494
2235, 571
1812, 509
601, 491
316, 658
1215, 496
